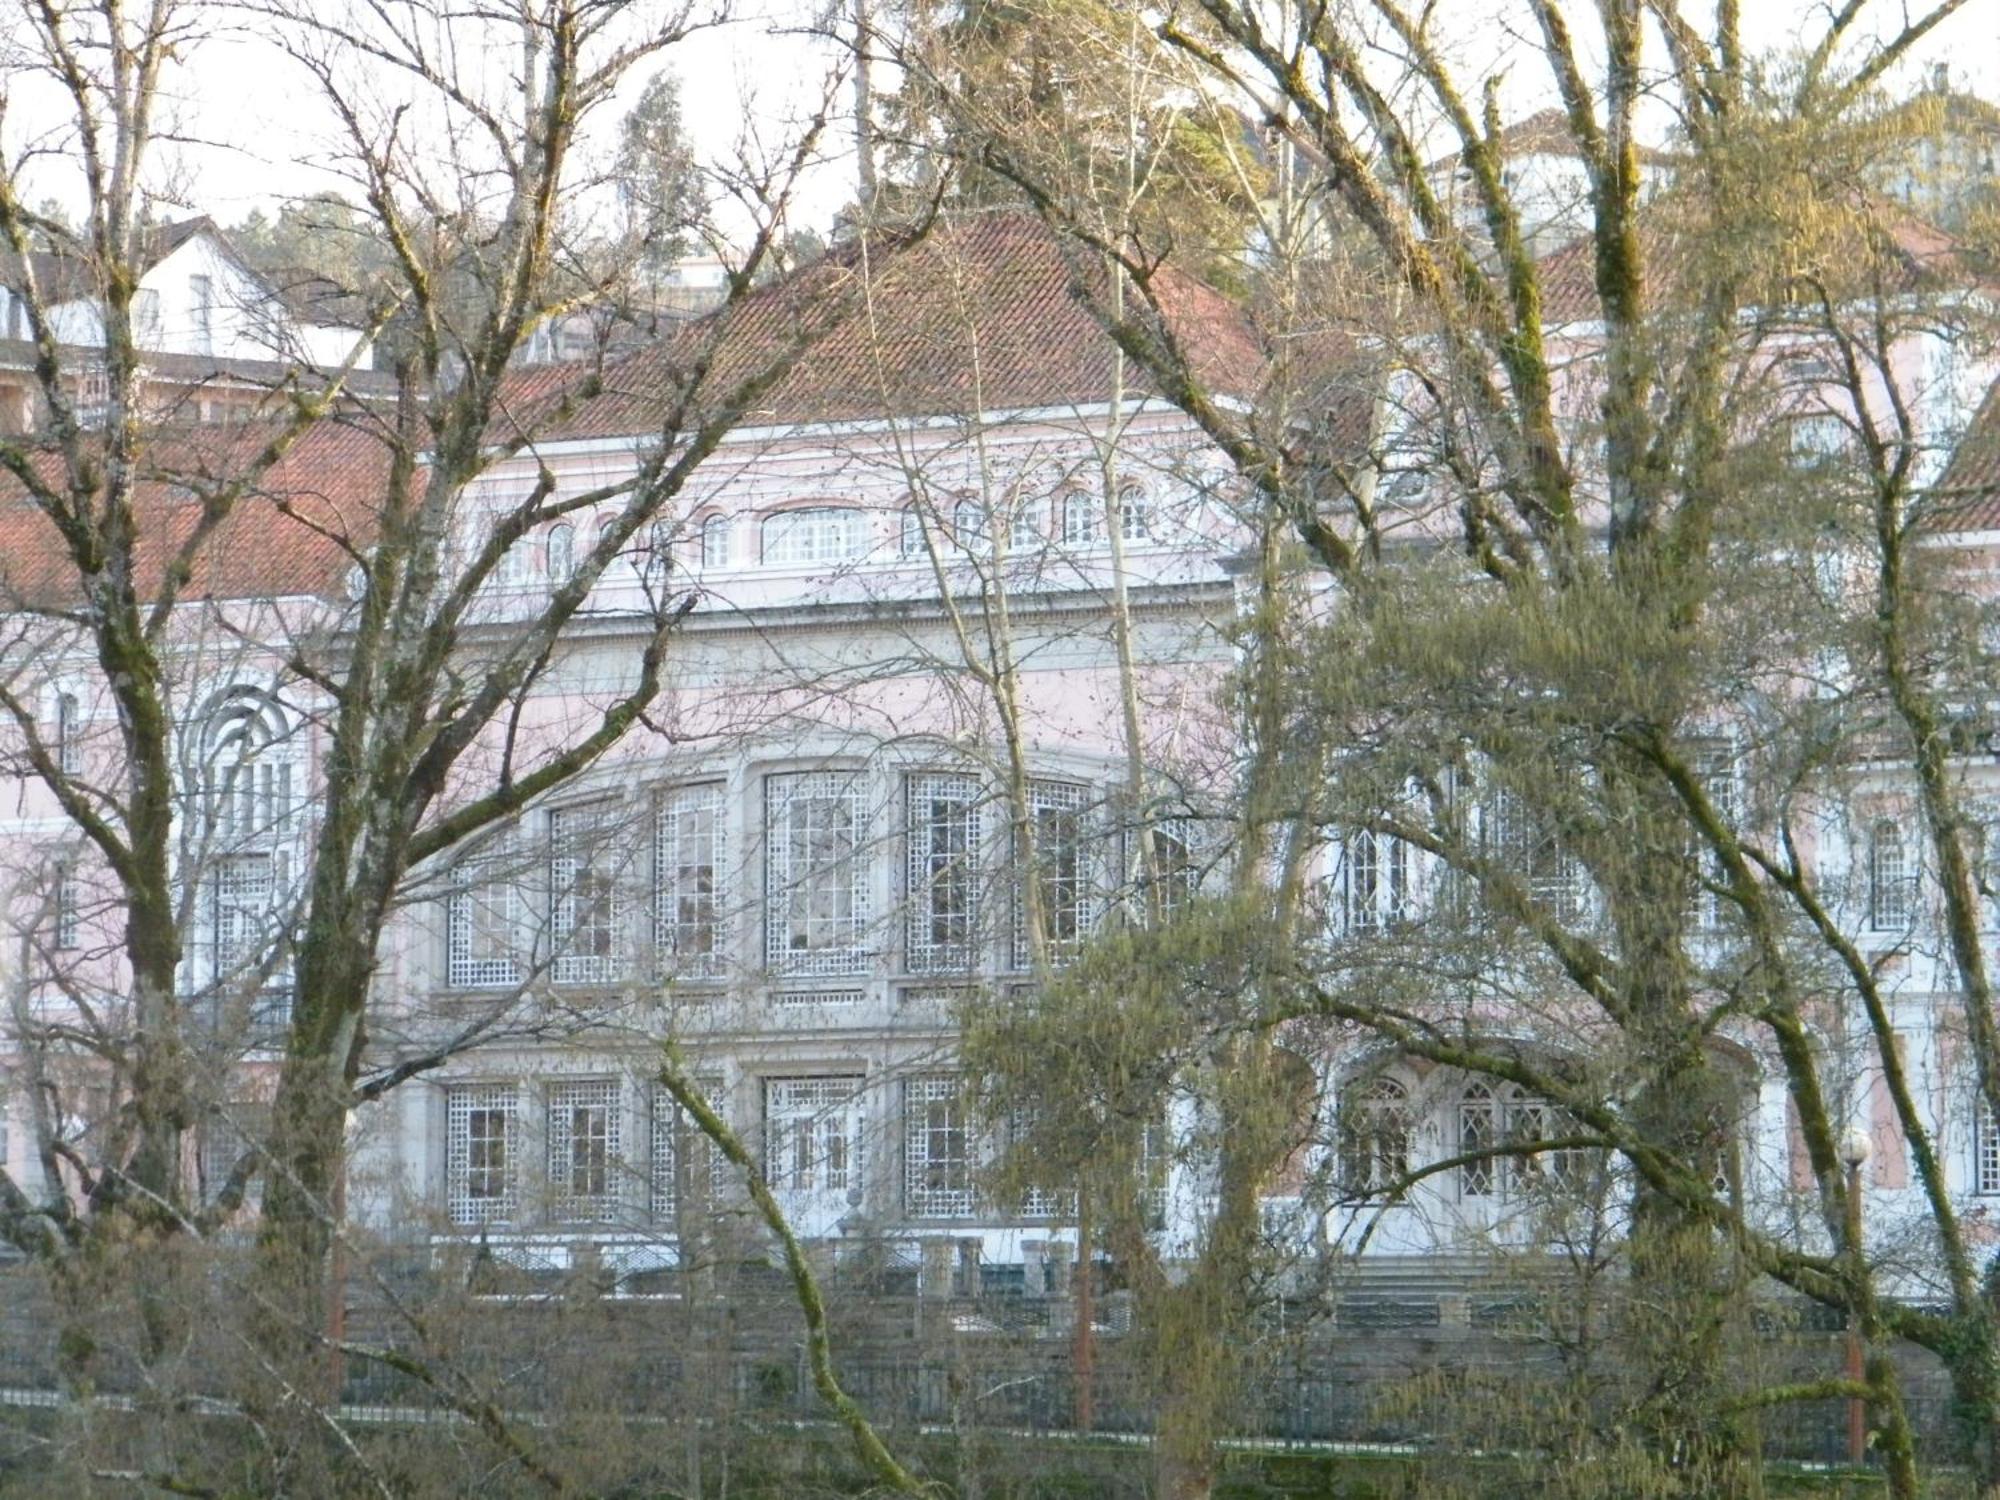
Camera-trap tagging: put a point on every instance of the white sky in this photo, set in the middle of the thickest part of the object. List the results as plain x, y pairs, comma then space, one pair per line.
256, 129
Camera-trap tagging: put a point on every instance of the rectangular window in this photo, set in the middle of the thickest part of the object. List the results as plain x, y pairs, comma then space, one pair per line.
942, 813
583, 1142
68, 919
241, 888
687, 1170
816, 877
585, 922
480, 1170
1061, 873
1891, 881
68, 735
1715, 769
938, 1158
226, 1137
812, 1134
484, 941
1986, 1149
687, 881
202, 292
1535, 857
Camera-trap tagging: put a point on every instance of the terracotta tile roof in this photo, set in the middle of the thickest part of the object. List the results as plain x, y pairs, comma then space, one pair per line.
1968, 492
980, 315
1928, 256
1544, 133
283, 538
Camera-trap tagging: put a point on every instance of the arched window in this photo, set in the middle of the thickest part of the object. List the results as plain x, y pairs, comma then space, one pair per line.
247, 792
1135, 515
1024, 534
968, 525
817, 534
1375, 1130
561, 552
656, 562
1478, 1130
1082, 519
910, 531
68, 736
1891, 884
715, 542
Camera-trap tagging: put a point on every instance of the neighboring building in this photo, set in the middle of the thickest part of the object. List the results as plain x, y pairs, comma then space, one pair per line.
217, 335
804, 861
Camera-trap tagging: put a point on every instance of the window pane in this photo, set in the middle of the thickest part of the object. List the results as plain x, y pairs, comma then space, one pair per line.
687, 880
943, 822
817, 899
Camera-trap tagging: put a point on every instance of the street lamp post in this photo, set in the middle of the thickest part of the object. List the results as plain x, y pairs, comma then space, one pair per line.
1854, 1152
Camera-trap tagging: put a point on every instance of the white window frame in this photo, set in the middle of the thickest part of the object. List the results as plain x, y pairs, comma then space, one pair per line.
941, 922
68, 924
584, 1148
818, 880
1715, 768
1071, 880
1083, 519
1135, 515
715, 529
1985, 1147
813, 1134
1550, 873
680, 1154
560, 553
587, 898
485, 917
479, 1190
1375, 882
689, 879
1377, 1131
68, 734
1892, 882
813, 534
941, 1156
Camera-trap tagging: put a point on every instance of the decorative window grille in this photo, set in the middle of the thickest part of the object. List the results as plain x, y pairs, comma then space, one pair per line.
688, 855
942, 816
224, 1138
1376, 881
585, 920
68, 919
686, 1170
1986, 1149
1175, 872
715, 542
812, 1134
1891, 882
561, 552
814, 999
1536, 857
1818, 438
1035, 1202
1510, 1117
583, 1147
1082, 519
69, 737
484, 939
241, 892
481, 1174
1375, 1129
816, 876
938, 1154
819, 534
1715, 769
1478, 1130
1061, 872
